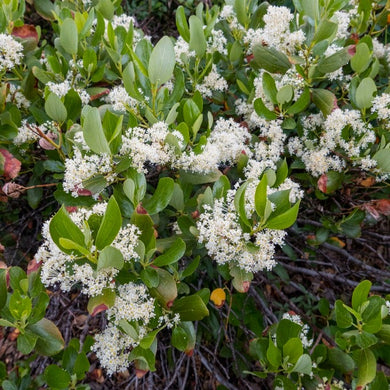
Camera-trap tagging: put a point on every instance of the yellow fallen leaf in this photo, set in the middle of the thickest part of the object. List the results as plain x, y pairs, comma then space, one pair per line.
218, 296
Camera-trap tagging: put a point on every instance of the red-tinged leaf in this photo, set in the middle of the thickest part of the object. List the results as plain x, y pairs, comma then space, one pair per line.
140, 209
140, 373
189, 352
351, 50
45, 144
99, 95
98, 309
383, 206
11, 167
321, 184
33, 266
27, 31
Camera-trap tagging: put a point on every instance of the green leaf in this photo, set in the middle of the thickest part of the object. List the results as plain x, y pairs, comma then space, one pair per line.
179, 338
50, 340
263, 111
20, 306
326, 29
362, 58
360, 294
110, 226
286, 330
365, 340
56, 377
366, 363
197, 178
147, 341
274, 355
241, 279
129, 190
240, 7
172, 255
143, 355
284, 220
177, 200
239, 204
166, 291
190, 308
26, 342
334, 62
150, 277
110, 257
301, 103
55, 108
106, 298
161, 62
261, 196
324, 100
382, 157
271, 59
365, 92
161, 197
285, 94
343, 317
220, 187
197, 39
293, 349
94, 133
69, 36
373, 309
384, 333
62, 226
191, 268
181, 23
269, 87
303, 365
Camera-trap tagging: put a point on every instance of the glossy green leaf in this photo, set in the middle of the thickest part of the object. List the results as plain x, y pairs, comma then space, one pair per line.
181, 23
269, 87
382, 157
56, 377
293, 349
261, 196
94, 133
50, 340
301, 103
161, 62
166, 291
360, 294
362, 58
69, 36
271, 59
55, 108
161, 197
364, 93
172, 255
110, 226
325, 100
334, 62
284, 220
343, 317
104, 300
62, 226
366, 363
110, 257
285, 94
274, 355
190, 308
263, 111
303, 365
197, 39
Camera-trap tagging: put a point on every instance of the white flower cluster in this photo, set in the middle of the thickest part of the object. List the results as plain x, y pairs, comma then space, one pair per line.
291, 316
71, 81
224, 145
84, 166
226, 242
120, 100
16, 96
149, 145
133, 305
212, 82
66, 270
276, 32
343, 131
182, 51
28, 132
381, 105
11, 52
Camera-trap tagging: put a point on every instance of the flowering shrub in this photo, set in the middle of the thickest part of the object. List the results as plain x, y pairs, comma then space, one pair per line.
191, 151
